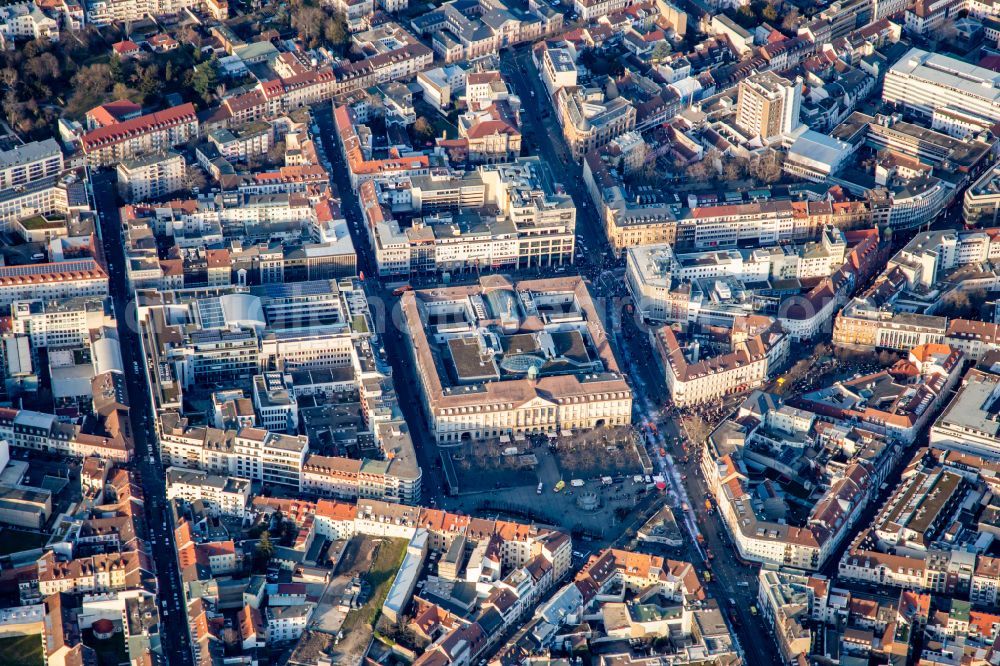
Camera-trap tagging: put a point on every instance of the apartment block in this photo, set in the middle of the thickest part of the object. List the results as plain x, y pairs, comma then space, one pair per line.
226, 495
590, 120
759, 354
29, 163
151, 176
60, 323
768, 105
108, 145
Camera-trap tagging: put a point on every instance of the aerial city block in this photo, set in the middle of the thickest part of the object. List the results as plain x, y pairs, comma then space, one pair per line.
500, 333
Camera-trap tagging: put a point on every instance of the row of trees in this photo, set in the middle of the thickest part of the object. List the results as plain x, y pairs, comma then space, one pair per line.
764, 168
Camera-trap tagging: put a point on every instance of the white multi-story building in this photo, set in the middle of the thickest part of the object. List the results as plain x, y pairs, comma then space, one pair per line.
981, 202
501, 216
37, 198
26, 21
967, 424
650, 279
248, 142
29, 163
589, 10
249, 453
226, 495
985, 586
653, 272
275, 403
308, 348
482, 89
103, 12
927, 16
286, 623
558, 69
921, 82
151, 176
60, 323
442, 84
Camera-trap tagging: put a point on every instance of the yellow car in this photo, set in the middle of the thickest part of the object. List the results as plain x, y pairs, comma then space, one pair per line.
753, 610
707, 575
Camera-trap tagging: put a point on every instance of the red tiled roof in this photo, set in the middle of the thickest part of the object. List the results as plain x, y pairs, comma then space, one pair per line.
121, 131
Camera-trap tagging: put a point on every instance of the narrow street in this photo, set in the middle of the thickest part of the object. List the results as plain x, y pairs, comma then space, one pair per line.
160, 540
385, 311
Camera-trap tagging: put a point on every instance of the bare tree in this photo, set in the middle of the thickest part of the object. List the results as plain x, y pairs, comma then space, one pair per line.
699, 171
961, 304
766, 167
791, 21
196, 178
735, 168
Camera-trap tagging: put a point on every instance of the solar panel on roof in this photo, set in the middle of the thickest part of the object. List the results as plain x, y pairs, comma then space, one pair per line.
44, 269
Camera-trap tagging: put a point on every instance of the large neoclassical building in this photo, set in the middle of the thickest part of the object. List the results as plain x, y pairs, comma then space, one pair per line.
501, 358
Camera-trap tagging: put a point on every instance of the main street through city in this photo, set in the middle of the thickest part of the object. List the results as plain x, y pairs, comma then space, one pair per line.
731, 579
541, 127
160, 540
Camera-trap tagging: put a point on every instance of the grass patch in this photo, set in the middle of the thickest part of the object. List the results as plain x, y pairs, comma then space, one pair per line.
14, 541
379, 578
36, 222
21, 650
